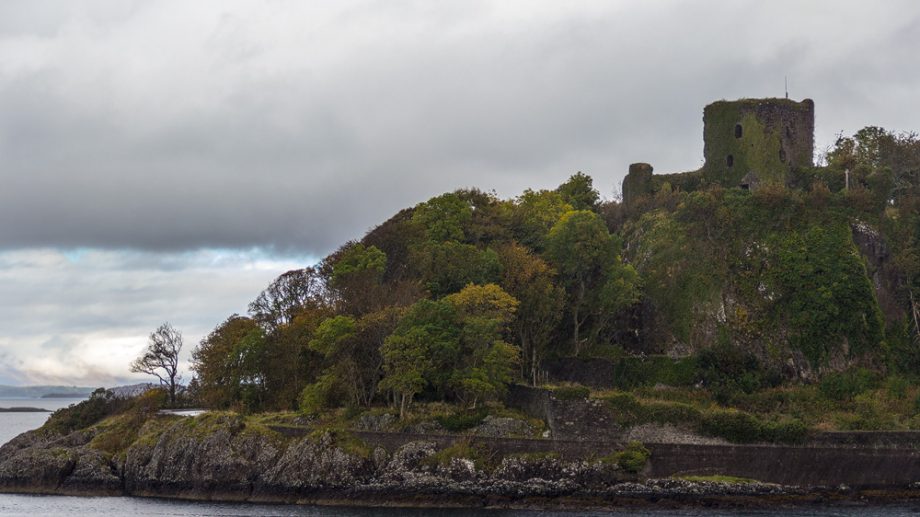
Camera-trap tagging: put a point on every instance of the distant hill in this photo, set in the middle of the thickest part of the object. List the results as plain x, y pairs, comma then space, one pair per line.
132, 390
35, 392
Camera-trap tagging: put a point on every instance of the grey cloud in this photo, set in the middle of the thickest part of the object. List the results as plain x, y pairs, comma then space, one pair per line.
298, 128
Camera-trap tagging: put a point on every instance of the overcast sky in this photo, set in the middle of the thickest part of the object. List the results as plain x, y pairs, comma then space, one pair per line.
166, 160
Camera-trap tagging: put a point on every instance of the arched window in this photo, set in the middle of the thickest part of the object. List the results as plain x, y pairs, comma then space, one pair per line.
730, 160
738, 131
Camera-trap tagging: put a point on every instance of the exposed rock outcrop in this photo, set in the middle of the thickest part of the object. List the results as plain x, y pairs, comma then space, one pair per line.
228, 457
219, 457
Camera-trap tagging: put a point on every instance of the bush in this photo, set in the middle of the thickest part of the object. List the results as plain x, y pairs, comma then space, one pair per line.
318, 396
729, 370
897, 387
735, 426
870, 414
627, 408
789, 431
101, 404
632, 459
846, 385
463, 420
149, 402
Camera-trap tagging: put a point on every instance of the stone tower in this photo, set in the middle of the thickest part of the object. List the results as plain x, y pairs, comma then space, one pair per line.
751, 141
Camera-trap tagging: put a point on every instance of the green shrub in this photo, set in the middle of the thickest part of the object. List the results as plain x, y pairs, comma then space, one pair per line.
571, 392
462, 420
789, 431
319, 395
729, 370
627, 410
733, 425
870, 414
101, 404
631, 459
897, 386
845, 385
740, 427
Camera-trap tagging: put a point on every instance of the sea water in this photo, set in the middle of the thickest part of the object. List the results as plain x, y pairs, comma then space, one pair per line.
12, 505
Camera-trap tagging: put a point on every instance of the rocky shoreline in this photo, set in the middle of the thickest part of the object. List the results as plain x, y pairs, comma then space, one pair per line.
222, 458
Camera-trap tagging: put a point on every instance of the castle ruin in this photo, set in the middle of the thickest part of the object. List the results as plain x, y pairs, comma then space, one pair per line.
747, 142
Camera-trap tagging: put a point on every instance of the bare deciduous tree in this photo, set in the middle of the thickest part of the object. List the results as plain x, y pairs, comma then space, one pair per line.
161, 358
287, 296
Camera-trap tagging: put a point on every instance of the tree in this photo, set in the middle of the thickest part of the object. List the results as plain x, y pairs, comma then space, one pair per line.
287, 296
217, 362
446, 267
415, 354
596, 280
356, 279
161, 359
443, 218
579, 192
250, 356
530, 280
534, 215
337, 340
483, 363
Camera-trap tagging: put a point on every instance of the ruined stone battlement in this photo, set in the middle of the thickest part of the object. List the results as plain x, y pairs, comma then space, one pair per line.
746, 142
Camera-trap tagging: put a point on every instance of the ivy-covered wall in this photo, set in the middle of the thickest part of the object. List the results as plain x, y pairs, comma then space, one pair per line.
767, 137
770, 138
641, 182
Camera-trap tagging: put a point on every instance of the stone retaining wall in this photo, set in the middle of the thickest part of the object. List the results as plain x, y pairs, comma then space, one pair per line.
806, 466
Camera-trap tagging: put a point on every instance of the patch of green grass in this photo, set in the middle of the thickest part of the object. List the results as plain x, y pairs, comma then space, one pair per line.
115, 435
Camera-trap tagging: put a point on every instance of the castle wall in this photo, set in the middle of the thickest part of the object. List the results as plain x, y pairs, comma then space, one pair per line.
766, 137
803, 466
641, 182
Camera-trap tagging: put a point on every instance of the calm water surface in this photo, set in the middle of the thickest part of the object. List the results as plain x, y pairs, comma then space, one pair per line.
31, 506
11, 424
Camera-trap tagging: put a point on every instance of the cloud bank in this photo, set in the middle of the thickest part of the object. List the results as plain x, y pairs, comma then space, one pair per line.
177, 125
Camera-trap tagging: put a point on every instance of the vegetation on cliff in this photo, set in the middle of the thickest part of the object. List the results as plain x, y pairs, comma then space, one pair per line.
727, 295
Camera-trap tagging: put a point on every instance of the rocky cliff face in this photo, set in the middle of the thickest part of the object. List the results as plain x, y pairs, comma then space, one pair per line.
228, 460
41, 462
